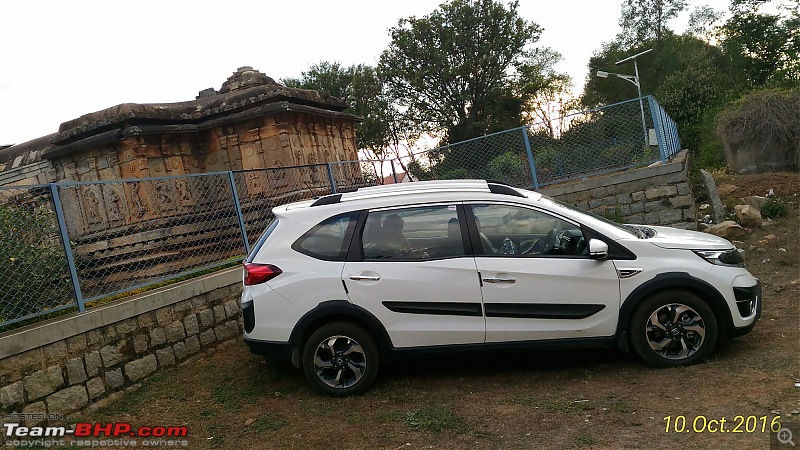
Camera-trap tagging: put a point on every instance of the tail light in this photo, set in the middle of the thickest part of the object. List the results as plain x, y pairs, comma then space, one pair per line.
259, 273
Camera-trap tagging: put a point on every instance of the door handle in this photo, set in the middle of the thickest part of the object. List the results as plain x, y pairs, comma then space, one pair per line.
365, 277
499, 280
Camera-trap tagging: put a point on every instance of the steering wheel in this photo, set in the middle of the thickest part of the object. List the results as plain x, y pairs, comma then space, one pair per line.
549, 241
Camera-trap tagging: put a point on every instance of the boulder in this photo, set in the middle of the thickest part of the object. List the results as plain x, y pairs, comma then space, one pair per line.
755, 201
728, 229
748, 216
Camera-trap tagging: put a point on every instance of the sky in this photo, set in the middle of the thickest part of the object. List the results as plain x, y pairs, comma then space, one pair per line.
61, 59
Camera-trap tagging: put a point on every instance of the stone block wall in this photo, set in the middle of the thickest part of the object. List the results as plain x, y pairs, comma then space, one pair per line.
655, 195
66, 364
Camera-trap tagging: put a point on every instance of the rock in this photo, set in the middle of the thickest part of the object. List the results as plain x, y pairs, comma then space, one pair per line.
12, 395
738, 244
41, 383
179, 350
136, 370
191, 325
726, 189
748, 216
75, 371
781, 249
767, 223
175, 332
68, 400
704, 207
111, 355
95, 387
727, 229
114, 378
755, 201
770, 237
249, 422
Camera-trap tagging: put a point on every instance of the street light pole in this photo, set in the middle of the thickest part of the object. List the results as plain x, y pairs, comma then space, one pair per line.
635, 80
641, 105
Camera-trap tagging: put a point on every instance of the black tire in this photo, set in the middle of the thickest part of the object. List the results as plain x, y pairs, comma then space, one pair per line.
348, 359
683, 330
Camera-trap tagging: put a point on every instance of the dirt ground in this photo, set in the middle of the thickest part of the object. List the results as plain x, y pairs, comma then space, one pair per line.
571, 399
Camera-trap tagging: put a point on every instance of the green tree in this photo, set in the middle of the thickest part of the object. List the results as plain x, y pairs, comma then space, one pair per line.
643, 20
462, 68
358, 86
702, 22
765, 47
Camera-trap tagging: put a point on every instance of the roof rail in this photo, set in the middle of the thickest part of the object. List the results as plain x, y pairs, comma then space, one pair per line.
504, 189
327, 200
495, 187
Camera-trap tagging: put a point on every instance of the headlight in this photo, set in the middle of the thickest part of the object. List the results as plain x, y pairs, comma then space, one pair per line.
733, 257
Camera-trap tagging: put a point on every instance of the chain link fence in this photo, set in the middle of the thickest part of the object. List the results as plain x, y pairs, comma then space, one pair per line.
128, 234
34, 277
628, 134
67, 244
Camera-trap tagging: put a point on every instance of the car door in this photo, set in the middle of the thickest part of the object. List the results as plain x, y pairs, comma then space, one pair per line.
410, 268
538, 280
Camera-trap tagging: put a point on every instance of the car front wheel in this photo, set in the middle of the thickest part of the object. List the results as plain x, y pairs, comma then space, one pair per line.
673, 328
341, 359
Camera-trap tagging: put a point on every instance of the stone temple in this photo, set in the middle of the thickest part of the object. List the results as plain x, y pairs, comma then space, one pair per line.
122, 232
251, 122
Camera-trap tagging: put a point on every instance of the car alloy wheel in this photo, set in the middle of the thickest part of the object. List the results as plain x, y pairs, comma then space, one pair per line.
673, 328
341, 359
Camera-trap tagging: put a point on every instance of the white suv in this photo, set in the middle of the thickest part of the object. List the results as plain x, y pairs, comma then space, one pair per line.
344, 282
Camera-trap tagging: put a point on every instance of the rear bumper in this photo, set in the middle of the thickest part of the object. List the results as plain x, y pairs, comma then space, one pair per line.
268, 348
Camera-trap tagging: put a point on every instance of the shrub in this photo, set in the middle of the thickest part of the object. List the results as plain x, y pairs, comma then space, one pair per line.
774, 208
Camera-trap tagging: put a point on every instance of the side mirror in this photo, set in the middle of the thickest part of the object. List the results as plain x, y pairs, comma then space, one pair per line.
598, 249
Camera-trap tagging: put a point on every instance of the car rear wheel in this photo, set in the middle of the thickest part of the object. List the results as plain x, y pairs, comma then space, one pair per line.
341, 359
673, 328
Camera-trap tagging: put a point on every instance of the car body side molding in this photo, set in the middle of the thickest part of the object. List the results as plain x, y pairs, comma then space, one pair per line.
542, 310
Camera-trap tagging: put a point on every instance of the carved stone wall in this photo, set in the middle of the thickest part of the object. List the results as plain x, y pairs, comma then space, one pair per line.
276, 141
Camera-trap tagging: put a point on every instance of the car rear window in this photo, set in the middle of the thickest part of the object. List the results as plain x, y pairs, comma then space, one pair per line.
329, 239
260, 242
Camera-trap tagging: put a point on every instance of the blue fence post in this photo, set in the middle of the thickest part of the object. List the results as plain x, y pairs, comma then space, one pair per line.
531, 163
658, 125
62, 229
331, 178
239, 215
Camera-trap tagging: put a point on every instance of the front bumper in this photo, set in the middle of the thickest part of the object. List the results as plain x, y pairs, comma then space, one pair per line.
748, 302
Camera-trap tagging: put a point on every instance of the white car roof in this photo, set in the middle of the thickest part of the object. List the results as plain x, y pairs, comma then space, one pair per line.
417, 188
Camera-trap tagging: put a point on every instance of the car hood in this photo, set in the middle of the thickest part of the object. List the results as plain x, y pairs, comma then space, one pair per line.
667, 237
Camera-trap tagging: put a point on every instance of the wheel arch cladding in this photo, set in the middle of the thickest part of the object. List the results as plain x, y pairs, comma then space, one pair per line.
676, 281
339, 310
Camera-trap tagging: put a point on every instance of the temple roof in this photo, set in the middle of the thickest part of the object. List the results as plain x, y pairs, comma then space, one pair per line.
244, 89
246, 93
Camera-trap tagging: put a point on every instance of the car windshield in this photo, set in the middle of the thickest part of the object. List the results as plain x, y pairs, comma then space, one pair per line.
636, 231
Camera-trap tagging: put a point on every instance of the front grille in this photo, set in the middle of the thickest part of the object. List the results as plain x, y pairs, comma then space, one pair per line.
249, 315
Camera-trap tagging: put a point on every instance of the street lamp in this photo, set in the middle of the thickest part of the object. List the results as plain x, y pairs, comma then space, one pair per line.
633, 79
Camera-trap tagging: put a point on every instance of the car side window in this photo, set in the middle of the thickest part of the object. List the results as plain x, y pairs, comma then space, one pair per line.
517, 231
327, 240
411, 234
